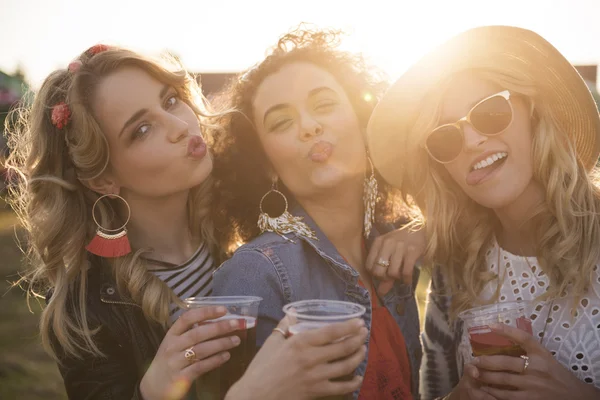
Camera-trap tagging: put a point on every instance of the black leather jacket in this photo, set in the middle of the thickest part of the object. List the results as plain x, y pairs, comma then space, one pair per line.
126, 337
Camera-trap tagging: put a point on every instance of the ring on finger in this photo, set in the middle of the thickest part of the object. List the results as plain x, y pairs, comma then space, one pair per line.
284, 333
190, 354
383, 263
526, 359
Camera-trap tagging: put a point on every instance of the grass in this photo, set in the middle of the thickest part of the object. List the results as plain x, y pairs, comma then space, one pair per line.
26, 371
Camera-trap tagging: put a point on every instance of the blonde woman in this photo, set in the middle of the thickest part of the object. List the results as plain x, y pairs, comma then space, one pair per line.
496, 138
114, 193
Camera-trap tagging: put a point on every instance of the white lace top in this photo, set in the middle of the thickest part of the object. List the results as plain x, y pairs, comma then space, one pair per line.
574, 341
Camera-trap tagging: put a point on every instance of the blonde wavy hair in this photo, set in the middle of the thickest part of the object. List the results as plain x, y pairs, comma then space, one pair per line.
55, 207
460, 231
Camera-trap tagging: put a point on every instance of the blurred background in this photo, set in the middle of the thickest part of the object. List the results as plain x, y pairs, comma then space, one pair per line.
215, 39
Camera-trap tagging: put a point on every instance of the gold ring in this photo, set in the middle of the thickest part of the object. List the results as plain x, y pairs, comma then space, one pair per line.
190, 354
284, 333
383, 263
526, 359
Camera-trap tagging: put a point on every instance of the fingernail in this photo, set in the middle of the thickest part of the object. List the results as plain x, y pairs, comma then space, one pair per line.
236, 340
221, 310
359, 378
496, 327
234, 323
226, 356
475, 373
360, 322
475, 361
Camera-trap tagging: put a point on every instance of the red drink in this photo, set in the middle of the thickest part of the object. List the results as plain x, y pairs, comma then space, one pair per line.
490, 343
486, 342
215, 384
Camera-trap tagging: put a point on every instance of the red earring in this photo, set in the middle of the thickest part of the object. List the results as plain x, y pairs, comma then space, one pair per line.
110, 243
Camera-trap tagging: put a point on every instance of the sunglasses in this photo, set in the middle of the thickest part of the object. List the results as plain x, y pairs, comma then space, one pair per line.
490, 117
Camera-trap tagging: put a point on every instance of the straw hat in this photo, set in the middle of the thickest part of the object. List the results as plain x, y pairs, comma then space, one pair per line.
511, 49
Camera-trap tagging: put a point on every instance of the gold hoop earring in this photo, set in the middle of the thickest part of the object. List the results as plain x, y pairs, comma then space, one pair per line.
284, 223
106, 243
369, 199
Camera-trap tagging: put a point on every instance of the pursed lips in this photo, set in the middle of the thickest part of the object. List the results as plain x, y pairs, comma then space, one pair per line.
320, 151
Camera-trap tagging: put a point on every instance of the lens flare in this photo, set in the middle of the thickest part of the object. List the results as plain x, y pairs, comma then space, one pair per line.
179, 389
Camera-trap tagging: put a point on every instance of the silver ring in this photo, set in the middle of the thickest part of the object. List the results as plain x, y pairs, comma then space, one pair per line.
284, 333
190, 354
383, 263
526, 359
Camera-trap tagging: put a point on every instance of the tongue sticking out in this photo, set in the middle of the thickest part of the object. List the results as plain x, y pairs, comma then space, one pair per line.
476, 176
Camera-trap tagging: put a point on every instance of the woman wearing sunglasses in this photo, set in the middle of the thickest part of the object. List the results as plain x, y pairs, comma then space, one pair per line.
498, 138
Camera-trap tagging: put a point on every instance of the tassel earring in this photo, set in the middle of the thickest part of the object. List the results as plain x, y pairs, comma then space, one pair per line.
369, 199
285, 223
110, 243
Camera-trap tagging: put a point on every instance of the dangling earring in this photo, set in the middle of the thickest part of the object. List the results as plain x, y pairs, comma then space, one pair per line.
369, 199
285, 223
106, 243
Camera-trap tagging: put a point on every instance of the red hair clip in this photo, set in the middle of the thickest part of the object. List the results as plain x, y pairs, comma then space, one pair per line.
99, 48
61, 114
74, 66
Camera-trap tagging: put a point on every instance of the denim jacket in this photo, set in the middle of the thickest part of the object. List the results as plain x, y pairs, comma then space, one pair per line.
281, 271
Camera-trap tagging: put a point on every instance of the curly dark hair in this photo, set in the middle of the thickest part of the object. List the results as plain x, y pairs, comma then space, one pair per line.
241, 166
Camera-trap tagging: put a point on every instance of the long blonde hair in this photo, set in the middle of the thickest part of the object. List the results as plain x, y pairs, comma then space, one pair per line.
55, 208
460, 231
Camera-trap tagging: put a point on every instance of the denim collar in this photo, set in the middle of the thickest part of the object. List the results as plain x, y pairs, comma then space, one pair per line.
323, 245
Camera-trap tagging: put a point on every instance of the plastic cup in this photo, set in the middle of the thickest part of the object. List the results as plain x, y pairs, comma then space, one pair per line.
216, 383
483, 340
313, 314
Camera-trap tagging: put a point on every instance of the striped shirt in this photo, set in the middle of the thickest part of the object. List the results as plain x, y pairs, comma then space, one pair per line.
193, 278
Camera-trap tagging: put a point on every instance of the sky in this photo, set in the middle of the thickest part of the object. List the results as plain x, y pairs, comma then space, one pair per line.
227, 36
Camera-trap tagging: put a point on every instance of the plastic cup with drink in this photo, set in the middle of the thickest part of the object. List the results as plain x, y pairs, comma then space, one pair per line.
216, 383
483, 340
313, 314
